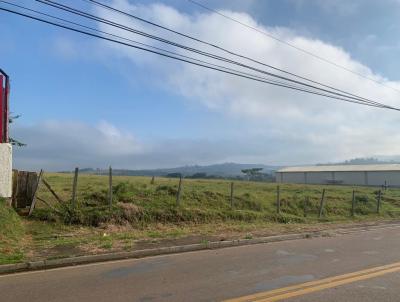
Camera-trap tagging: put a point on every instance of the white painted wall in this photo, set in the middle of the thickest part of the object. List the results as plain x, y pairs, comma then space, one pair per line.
5, 170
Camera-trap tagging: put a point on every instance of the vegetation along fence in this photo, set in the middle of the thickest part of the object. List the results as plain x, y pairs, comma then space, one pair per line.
93, 199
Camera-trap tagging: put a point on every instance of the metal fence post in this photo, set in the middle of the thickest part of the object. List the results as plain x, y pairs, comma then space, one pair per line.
278, 200
178, 194
378, 204
321, 205
231, 194
110, 190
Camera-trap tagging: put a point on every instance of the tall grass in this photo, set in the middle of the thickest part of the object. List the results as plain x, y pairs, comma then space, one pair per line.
11, 234
139, 202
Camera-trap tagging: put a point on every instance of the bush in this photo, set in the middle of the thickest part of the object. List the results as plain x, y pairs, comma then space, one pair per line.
168, 189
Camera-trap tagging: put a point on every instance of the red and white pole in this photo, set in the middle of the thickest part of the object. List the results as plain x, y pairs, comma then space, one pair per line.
5, 146
2, 107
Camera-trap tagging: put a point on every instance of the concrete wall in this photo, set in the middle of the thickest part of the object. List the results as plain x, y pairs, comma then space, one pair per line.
370, 178
319, 177
392, 178
295, 177
5, 170
351, 178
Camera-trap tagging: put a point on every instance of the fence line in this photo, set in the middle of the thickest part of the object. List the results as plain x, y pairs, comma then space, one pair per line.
322, 211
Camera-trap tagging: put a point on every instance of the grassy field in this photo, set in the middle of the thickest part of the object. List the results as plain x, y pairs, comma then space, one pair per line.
139, 202
145, 214
11, 235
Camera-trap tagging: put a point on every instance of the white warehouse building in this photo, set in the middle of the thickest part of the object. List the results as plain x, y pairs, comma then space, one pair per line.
363, 175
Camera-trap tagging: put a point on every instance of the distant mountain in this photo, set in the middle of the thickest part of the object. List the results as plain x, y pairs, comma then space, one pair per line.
219, 170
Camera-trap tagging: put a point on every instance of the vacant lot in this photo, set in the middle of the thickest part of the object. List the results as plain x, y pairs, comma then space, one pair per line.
145, 214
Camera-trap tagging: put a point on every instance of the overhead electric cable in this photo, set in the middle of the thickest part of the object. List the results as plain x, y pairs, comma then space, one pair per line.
184, 60
110, 8
140, 43
213, 56
291, 45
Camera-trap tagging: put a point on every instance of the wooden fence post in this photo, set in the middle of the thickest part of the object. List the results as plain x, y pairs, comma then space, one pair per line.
321, 205
232, 195
278, 200
178, 194
353, 203
378, 204
110, 189
51, 190
14, 188
32, 207
152, 180
74, 186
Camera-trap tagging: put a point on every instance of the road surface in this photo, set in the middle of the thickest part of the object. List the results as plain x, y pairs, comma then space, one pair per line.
362, 266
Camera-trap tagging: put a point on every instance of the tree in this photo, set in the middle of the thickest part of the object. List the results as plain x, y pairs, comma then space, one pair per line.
13, 141
252, 173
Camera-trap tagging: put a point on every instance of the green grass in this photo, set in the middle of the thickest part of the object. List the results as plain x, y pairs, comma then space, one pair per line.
145, 211
11, 235
140, 203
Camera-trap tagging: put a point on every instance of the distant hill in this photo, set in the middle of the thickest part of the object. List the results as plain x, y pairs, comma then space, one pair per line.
219, 170
363, 161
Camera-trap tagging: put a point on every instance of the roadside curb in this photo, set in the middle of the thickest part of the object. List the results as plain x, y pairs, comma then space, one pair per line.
54, 263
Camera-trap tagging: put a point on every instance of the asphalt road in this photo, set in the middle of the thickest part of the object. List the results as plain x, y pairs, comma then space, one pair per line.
363, 266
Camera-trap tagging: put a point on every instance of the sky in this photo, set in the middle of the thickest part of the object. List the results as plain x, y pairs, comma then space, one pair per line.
91, 103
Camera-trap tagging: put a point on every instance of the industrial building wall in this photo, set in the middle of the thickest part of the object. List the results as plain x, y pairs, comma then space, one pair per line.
351, 178
295, 177
362, 178
392, 178
319, 177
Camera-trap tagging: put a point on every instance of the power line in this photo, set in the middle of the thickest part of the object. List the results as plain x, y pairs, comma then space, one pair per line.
210, 55
191, 62
140, 43
291, 45
108, 7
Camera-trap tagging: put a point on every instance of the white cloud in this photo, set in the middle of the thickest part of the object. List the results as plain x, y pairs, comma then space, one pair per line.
63, 145
336, 129
279, 126
59, 145
65, 48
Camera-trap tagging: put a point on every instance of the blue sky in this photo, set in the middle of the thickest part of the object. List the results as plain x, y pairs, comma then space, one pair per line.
84, 102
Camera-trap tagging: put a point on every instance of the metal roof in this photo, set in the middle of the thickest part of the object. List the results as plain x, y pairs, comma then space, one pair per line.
343, 168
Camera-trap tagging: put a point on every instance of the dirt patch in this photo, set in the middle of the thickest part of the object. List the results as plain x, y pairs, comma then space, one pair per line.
194, 239
63, 251
115, 238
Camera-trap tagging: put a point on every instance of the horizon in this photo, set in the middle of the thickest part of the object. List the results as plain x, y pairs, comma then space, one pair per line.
85, 102
353, 161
